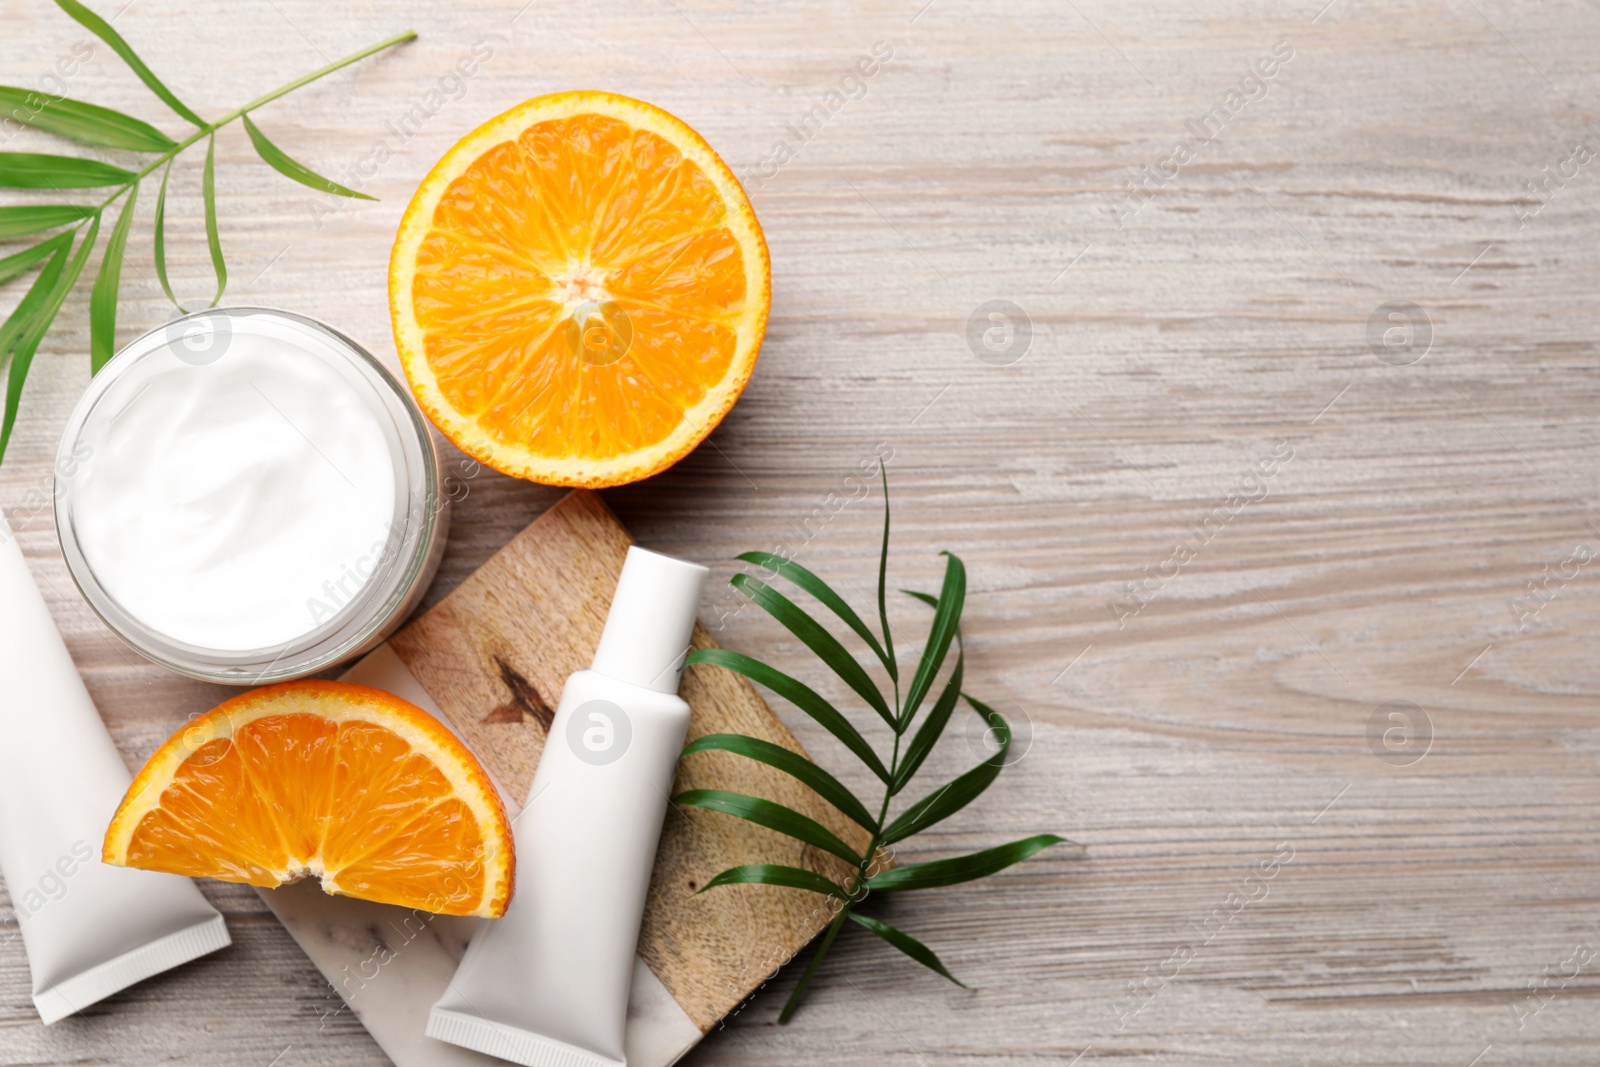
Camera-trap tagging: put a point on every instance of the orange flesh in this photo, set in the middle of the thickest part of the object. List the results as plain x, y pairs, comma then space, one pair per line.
576, 288
289, 794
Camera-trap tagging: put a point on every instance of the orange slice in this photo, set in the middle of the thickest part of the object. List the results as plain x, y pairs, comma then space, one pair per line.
578, 290
325, 779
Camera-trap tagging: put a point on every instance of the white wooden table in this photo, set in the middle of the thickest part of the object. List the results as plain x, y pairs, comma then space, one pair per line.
1202, 370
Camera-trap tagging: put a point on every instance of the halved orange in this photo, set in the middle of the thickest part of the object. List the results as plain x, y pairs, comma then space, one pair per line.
578, 290
340, 782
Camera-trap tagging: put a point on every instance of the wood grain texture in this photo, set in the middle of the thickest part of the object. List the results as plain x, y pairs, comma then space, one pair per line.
1389, 160
495, 654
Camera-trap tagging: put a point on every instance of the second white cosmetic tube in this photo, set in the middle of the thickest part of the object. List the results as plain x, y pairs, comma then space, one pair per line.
89, 929
547, 985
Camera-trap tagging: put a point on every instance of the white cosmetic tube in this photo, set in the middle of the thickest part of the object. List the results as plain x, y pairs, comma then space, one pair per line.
547, 985
90, 930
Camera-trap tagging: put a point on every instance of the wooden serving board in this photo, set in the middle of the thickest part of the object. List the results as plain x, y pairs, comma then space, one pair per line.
491, 659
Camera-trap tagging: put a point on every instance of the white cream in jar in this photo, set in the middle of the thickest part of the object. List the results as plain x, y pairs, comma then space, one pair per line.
252, 496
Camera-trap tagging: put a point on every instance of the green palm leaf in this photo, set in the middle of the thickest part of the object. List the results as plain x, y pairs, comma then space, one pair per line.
208, 188
31, 218
801, 696
905, 943
903, 766
33, 333
103, 299
883, 577
33, 299
932, 727
88, 123
42, 302
771, 815
775, 874
946, 620
160, 238
107, 128
824, 593
813, 636
14, 266
284, 164
962, 868
36, 170
793, 764
953, 796
102, 29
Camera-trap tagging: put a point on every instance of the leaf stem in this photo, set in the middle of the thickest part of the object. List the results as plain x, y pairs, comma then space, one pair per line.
338, 64
811, 968
859, 878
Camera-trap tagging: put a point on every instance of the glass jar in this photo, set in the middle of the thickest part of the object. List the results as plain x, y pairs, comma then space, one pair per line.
245, 495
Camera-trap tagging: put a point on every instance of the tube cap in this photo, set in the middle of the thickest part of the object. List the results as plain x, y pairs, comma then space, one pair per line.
646, 637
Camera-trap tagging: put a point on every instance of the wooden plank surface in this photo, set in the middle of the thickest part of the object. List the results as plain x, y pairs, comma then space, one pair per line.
1224, 719
495, 655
